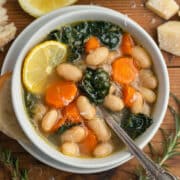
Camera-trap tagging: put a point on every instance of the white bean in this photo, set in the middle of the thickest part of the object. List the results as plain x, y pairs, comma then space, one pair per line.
87, 110
148, 94
97, 57
147, 79
49, 120
114, 103
70, 149
100, 128
146, 109
141, 56
75, 134
137, 105
69, 72
103, 149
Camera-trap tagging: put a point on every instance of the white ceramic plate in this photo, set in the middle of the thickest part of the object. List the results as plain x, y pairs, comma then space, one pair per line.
8, 65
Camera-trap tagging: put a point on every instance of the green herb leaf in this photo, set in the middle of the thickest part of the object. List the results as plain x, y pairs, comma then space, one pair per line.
136, 124
176, 118
66, 126
12, 164
177, 100
76, 35
30, 102
54, 35
95, 84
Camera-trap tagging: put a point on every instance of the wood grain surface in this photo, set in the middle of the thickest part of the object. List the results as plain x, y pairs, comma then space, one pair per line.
149, 21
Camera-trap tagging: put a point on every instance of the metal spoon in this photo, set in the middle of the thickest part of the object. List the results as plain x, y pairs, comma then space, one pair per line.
153, 170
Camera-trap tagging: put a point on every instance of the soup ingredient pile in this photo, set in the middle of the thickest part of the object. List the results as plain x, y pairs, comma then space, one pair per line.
76, 70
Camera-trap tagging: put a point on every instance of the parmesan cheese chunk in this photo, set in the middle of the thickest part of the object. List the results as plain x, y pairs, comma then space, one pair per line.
169, 37
164, 8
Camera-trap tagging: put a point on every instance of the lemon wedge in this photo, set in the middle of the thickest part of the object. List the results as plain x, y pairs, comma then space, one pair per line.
38, 8
39, 65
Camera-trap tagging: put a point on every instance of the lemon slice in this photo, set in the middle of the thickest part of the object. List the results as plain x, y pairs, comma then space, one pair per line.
38, 8
39, 65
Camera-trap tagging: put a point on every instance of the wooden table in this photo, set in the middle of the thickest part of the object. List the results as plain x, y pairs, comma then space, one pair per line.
149, 21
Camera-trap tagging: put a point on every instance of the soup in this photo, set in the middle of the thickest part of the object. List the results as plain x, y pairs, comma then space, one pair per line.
78, 69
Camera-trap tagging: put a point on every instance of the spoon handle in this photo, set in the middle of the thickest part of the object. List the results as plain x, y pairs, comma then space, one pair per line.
154, 171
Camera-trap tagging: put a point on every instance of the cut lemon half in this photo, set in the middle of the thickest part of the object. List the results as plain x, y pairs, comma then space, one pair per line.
39, 65
38, 8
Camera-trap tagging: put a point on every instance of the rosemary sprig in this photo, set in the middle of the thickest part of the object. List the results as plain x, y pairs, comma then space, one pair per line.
171, 143
12, 164
177, 100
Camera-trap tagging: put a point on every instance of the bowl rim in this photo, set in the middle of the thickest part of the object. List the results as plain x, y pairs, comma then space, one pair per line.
8, 65
32, 136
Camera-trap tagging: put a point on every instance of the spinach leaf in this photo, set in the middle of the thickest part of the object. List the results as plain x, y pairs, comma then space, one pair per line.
30, 102
136, 124
108, 33
95, 84
66, 126
54, 35
75, 36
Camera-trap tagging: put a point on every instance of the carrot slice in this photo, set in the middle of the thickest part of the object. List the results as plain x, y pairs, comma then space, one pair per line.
92, 44
128, 95
89, 143
127, 44
70, 113
60, 94
58, 124
124, 70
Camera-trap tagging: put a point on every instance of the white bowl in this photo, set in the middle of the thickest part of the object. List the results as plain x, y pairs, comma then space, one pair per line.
159, 66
